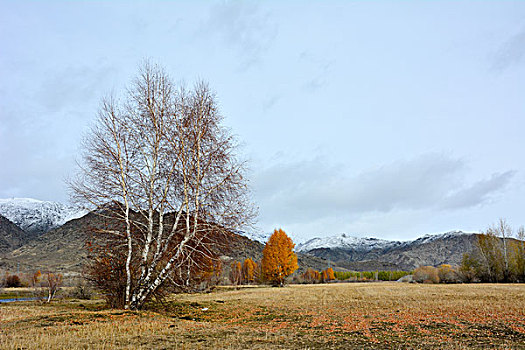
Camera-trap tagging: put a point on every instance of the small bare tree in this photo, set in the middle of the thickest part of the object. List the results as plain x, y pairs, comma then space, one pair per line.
54, 281
169, 171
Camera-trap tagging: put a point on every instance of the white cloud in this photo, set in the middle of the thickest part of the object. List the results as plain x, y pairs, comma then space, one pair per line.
314, 192
511, 52
242, 26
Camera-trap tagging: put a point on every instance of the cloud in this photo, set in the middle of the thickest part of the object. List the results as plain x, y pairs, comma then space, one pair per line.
41, 129
510, 53
478, 193
242, 26
74, 85
270, 101
298, 192
319, 71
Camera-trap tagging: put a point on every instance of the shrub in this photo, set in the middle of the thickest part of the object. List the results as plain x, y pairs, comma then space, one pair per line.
81, 291
12, 281
426, 274
447, 274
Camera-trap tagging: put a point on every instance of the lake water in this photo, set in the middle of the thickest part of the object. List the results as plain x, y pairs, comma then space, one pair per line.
18, 299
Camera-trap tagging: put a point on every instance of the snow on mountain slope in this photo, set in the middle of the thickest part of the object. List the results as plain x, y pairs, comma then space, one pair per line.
432, 237
262, 237
346, 242
368, 244
255, 236
36, 216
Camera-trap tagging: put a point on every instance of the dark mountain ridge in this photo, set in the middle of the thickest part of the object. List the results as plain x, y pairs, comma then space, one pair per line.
431, 250
64, 249
11, 236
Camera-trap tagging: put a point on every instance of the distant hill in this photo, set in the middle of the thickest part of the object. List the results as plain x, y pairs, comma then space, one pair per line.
362, 254
37, 217
50, 235
60, 249
11, 236
64, 249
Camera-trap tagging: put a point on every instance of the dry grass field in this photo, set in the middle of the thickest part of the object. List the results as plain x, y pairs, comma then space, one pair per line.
334, 316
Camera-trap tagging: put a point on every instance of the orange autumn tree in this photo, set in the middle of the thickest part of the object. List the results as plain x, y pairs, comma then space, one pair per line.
311, 276
236, 273
249, 270
328, 275
279, 260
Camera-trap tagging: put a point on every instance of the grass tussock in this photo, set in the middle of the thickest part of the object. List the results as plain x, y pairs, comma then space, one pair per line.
380, 315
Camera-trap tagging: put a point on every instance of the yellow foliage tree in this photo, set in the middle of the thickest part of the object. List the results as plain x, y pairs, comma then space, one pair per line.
36, 278
328, 274
279, 260
447, 274
249, 268
236, 273
311, 276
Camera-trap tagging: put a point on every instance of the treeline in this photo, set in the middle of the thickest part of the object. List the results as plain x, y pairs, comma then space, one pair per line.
311, 276
499, 256
363, 276
251, 272
248, 272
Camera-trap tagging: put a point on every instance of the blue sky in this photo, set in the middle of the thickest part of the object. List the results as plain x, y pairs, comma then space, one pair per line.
385, 119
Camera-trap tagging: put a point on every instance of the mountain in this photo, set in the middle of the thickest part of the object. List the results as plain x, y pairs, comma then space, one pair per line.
433, 250
11, 236
47, 235
37, 217
60, 249
255, 236
360, 254
63, 249
346, 242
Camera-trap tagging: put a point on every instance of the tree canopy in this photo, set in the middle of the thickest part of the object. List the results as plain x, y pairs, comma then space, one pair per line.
279, 260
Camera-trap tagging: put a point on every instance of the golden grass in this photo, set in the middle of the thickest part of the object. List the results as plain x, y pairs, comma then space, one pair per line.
345, 316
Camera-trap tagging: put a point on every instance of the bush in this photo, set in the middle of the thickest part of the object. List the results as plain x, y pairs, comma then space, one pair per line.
426, 274
447, 274
13, 281
81, 291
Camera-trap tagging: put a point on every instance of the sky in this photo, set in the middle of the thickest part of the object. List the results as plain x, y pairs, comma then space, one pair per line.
378, 119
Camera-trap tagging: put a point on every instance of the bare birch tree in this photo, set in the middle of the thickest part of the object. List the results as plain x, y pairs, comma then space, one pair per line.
168, 169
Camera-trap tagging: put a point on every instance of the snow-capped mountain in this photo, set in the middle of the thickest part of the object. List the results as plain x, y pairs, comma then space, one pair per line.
371, 253
432, 237
344, 241
262, 237
37, 217
255, 236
